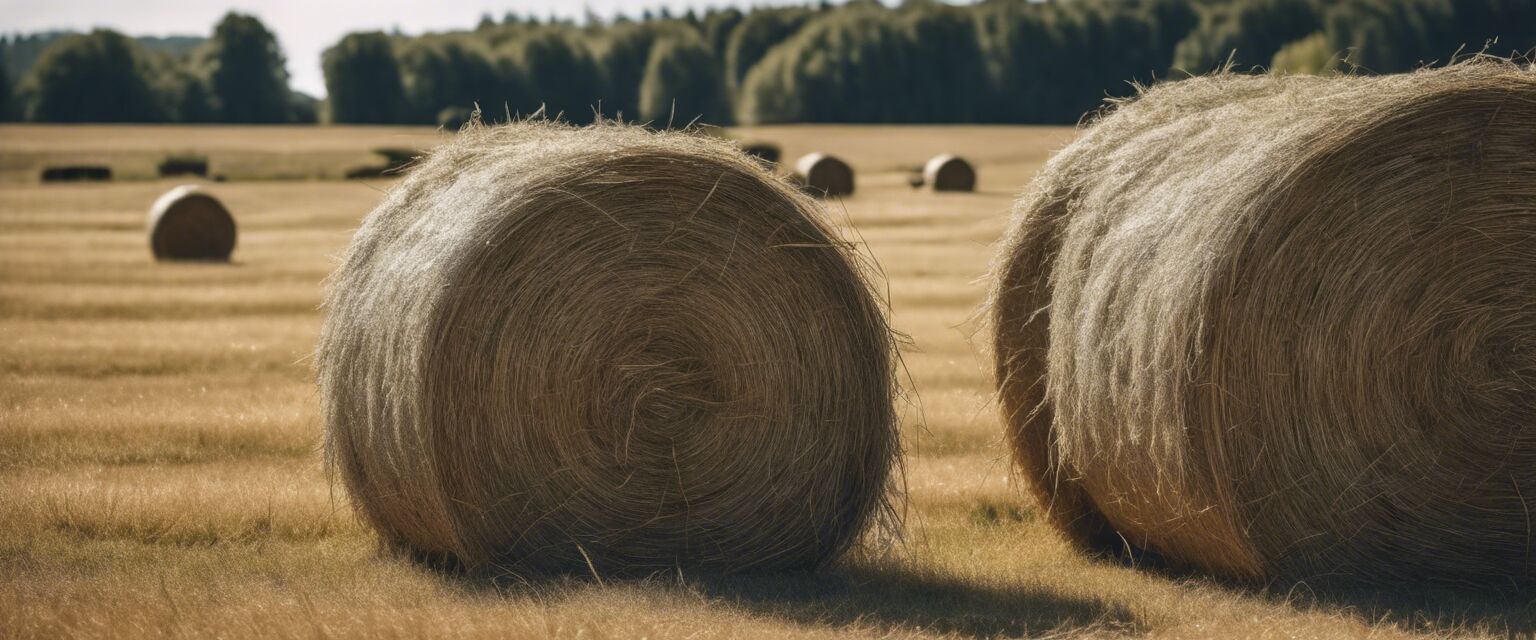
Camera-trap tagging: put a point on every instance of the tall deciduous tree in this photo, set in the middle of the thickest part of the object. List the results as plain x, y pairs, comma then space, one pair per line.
718, 26
1246, 32
100, 77
246, 71
623, 53
759, 32
362, 78
848, 66
439, 73
561, 73
7, 103
683, 84
943, 55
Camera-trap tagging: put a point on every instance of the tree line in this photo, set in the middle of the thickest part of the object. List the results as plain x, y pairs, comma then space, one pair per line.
923, 61
237, 75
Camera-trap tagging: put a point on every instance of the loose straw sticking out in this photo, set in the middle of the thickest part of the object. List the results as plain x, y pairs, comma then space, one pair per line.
766, 152
1285, 327
608, 351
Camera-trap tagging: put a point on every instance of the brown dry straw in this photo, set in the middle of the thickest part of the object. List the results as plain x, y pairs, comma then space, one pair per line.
557, 349
824, 175
949, 172
1285, 327
186, 223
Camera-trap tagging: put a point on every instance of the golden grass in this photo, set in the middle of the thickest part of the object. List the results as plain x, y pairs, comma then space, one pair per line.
159, 470
260, 152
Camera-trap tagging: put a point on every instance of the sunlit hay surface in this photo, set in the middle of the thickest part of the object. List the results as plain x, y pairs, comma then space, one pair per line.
188, 223
1285, 327
557, 349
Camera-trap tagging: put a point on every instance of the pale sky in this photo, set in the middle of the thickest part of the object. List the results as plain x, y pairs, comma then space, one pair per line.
305, 28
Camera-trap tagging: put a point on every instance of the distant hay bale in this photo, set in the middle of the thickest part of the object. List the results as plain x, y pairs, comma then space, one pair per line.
183, 165
1285, 327
949, 172
396, 161
554, 349
77, 173
767, 152
186, 223
366, 172
824, 175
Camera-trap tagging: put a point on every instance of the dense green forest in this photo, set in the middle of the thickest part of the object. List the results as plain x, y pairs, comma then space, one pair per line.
237, 74
924, 61
21, 51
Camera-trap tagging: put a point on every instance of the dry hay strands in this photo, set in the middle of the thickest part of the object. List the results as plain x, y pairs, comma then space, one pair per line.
397, 160
603, 349
186, 223
824, 175
1284, 328
452, 119
949, 172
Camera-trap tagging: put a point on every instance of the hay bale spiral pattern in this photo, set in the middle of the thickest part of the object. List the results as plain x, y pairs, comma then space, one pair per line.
554, 349
1285, 327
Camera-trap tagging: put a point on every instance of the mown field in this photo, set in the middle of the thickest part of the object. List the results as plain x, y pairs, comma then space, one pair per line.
159, 430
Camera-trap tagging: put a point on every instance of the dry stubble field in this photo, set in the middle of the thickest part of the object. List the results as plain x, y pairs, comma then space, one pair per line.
159, 430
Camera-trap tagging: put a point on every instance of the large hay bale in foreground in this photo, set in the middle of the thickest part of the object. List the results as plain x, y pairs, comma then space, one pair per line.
949, 172
186, 223
1285, 327
824, 175
553, 349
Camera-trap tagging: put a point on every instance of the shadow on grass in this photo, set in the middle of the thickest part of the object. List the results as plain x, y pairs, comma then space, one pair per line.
1425, 608
1497, 609
886, 596
899, 598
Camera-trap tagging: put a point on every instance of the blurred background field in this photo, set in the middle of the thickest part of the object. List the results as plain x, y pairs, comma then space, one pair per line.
159, 431
238, 153
296, 152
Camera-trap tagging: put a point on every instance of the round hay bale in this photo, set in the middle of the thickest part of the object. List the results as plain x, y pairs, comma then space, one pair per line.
556, 350
949, 172
1285, 327
767, 152
186, 223
824, 175
77, 173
